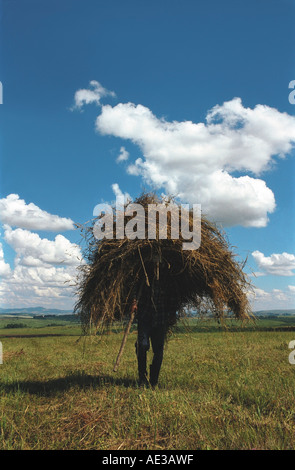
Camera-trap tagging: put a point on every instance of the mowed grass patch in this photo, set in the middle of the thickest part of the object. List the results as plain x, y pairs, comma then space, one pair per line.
217, 390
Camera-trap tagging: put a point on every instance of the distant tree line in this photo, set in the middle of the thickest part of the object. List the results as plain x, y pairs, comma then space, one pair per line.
15, 325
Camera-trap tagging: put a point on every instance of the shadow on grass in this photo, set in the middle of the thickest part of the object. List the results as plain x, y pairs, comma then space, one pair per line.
62, 384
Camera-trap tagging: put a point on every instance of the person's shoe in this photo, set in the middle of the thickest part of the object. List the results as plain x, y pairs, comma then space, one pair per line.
143, 381
153, 377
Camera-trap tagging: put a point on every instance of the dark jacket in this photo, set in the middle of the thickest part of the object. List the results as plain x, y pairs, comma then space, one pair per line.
153, 306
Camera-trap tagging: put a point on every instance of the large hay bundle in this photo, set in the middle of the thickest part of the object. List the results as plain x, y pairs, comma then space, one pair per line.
119, 269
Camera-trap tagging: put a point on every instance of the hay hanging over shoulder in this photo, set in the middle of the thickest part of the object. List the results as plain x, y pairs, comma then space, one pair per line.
120, 269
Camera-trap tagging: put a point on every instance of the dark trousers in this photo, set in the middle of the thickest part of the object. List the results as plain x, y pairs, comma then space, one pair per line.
146, 333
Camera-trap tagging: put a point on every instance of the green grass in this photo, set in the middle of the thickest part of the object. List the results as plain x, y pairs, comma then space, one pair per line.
218, 389
39, 326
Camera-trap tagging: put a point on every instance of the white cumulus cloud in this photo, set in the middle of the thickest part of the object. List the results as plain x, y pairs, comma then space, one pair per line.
93, 94
4, 267
39, 285
261, 299
120, 195
16, 212
123, 155
44, 271
279, 264
198, 162
31, 250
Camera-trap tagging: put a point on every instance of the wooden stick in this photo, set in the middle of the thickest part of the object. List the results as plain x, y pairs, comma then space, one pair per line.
146, 276
132, 315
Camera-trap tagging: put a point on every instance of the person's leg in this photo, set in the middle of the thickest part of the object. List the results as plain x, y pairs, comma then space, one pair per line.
142, 345
158, 340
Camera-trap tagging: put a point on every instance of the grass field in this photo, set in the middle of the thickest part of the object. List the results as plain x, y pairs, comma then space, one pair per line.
218, 389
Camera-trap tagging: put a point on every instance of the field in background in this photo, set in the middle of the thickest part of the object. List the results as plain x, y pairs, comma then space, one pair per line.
218, 389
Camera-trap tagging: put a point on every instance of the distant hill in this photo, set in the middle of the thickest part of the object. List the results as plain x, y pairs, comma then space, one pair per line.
267, 313
53, 311
34, 311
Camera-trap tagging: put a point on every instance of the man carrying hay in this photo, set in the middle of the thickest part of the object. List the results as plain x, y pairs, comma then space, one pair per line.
163, 279
154, 316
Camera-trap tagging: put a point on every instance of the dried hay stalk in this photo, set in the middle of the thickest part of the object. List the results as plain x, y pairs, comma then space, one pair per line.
118, 267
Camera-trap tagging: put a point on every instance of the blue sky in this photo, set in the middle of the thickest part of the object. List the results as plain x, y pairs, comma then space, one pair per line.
173, 62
